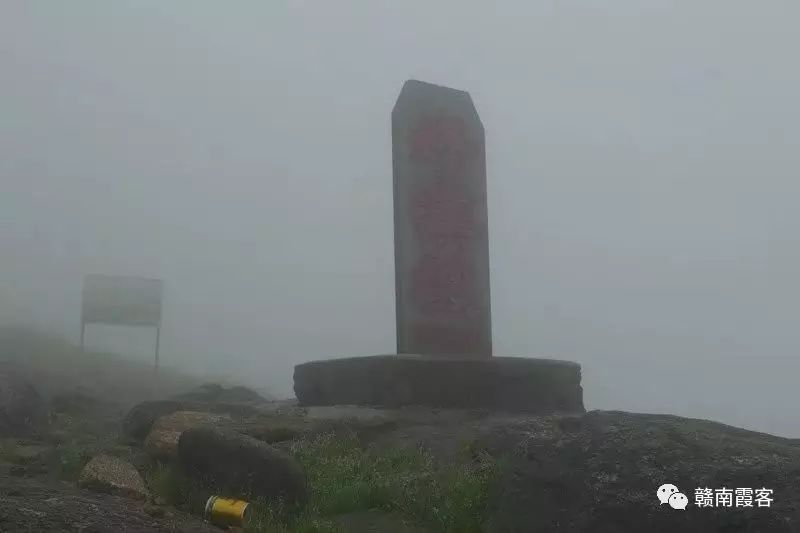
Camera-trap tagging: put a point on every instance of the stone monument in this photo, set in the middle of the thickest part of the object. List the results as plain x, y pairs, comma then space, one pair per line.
443, 303
441, 229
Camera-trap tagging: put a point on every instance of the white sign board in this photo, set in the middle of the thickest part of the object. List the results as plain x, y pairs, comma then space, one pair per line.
122, 301
126, 301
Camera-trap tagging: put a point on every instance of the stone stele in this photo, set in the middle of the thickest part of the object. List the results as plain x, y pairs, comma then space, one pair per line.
443, 300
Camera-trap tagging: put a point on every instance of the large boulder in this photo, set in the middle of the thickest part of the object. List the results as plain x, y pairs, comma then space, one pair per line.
22, 408
600, 473
140, 419
241, 466
112, 475
162, 441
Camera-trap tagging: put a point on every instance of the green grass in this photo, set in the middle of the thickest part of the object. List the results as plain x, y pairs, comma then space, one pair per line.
345, 478
271, 518
166, 482
8, 450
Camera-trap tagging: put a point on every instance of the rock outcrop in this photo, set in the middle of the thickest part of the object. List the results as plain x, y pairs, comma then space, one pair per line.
599, 473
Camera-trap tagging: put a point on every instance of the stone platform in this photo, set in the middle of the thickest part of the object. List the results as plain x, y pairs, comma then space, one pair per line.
509, 384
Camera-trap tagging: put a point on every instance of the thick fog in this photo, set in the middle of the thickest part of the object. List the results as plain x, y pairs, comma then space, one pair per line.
642, 180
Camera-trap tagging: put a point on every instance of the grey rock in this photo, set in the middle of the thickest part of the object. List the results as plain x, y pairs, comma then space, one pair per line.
22, 409
162, 441
137, 423
240, 465
140, 419
111, 475
599, 473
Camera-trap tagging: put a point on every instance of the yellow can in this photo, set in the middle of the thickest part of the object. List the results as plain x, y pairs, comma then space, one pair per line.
227, 512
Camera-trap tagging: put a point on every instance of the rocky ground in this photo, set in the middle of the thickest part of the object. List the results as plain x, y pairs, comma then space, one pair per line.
46, 505
77, 461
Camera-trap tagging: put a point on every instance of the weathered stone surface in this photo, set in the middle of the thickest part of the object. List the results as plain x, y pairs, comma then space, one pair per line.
113, 476
240, 465
356, 416
599, 473
441, 236
277, 429
500, 383
162, 441
304, 423
272, 424
22, 408
137, 423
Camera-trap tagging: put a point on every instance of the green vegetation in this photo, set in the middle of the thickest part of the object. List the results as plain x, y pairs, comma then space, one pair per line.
274, 519
70, 458
344, 478
166, 482
8, 450
169, 484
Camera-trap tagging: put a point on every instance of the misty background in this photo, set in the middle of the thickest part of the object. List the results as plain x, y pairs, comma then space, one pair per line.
642, 179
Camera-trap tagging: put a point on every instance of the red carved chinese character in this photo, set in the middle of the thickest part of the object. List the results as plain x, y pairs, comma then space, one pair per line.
442, 141
440, 210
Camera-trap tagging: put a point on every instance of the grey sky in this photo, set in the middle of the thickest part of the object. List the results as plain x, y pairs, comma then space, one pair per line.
642, 161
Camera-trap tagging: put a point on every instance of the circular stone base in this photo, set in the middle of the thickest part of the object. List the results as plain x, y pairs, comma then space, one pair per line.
511, 384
